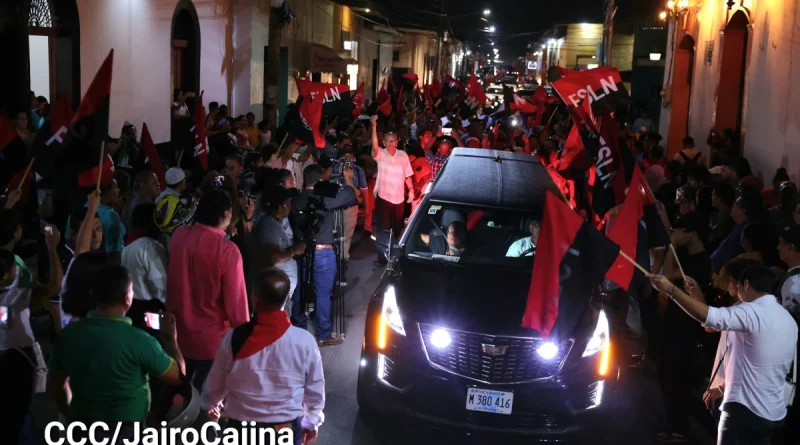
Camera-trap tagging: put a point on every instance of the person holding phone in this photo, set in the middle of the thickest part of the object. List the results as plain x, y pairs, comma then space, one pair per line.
19, 351
103, 361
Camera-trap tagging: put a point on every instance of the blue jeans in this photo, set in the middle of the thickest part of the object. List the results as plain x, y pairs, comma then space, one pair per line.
324, 279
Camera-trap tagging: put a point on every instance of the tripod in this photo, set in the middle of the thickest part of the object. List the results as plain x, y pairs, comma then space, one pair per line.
308, 294
338, 311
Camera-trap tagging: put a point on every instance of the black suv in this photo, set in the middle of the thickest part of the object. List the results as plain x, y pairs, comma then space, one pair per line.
443, 341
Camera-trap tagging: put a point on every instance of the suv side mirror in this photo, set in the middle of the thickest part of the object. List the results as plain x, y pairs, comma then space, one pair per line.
385, 242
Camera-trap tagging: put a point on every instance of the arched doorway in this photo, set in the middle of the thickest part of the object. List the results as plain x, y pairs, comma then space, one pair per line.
185, 47
730, 93
682, 73
185, 73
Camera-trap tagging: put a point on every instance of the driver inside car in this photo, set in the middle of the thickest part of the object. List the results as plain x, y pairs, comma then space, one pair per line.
527, 245
452, 245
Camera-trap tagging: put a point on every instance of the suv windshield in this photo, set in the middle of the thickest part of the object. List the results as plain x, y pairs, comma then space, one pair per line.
473, 235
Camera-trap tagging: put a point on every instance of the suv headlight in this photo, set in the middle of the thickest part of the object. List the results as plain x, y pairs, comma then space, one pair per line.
390, 317
599, 337
600, 342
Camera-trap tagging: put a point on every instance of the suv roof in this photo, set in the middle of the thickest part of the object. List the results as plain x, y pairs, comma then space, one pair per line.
491, 178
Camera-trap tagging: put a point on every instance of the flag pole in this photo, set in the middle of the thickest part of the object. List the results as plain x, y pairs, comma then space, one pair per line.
180, 157
100, 165
675, 254
25, 175
632, 261
671, 246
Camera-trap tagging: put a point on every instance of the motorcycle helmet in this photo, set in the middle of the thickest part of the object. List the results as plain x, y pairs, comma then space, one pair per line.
173, 211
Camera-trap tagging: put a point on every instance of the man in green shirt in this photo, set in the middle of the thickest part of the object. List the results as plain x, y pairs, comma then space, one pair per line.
107, 360
10, 236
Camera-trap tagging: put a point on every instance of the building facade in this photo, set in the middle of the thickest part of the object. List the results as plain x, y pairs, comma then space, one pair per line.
218, 47
730, 67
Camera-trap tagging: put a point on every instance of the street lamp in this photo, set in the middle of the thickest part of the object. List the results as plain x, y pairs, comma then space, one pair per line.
492, 29
367, 10
492, 43
487, 11
675, 9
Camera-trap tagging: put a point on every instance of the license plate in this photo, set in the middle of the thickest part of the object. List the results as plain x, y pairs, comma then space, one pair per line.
498, 402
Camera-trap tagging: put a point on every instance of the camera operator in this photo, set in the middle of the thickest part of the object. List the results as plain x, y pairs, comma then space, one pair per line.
320, 241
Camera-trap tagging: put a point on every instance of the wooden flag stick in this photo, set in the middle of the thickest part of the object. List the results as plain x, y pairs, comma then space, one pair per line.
632, 261
100, 165
283, 141
180, 156
25, 175
675, 254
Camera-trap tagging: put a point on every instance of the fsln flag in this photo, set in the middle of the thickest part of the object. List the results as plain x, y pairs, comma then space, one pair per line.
337, 98
200, 140
571, 259
89, 128
52, 137
150, 151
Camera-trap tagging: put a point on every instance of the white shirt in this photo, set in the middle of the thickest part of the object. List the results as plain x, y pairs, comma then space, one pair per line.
392, 174
167, 191
17, 333
519, 246
146, 260
790, 292
762, 340
278, 384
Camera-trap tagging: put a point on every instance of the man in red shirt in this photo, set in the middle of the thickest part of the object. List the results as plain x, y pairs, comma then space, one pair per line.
205, 284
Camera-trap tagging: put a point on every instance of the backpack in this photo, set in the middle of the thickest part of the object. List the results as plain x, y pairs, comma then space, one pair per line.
779, 285
689, 163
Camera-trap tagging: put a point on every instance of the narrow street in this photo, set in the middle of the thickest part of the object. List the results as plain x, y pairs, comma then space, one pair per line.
639, 405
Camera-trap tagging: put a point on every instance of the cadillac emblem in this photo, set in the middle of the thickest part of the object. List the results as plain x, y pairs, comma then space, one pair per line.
493, 350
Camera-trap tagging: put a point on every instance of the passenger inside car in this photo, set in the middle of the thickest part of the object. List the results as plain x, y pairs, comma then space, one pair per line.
526, 246
453, 244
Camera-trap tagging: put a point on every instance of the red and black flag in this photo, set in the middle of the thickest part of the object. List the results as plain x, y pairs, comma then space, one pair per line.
401, 103
337, 98
385, 108
436, 89
572, 257
304, 122
451, 84
52, 137
358, 101
383, 95
13, 151
412, 78
199, 130
476, 97
602, 86
89, 177
7, 131
636, 229
152, 157
514, 103
608, 190
89, 128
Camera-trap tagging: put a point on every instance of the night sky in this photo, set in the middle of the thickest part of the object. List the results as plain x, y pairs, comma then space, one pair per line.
517, 22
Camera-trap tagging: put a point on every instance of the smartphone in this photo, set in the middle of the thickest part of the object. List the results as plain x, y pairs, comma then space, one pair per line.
152, 320
447, 131
219, 180
46, 229
4, 315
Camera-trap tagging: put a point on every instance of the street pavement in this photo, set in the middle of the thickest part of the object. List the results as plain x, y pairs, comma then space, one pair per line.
639, 403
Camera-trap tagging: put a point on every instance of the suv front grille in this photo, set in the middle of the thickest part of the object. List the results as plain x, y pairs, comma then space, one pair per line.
467, 356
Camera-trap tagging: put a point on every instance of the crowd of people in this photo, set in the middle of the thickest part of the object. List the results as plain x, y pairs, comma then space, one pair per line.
221, 257
735, 271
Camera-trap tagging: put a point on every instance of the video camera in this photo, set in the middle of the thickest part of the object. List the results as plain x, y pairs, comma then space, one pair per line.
308, 220
338, 166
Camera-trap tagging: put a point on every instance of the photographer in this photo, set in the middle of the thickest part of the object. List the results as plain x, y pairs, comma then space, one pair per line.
320, 240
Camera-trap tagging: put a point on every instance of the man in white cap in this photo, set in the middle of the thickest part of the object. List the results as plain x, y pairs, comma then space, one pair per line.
176, 183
